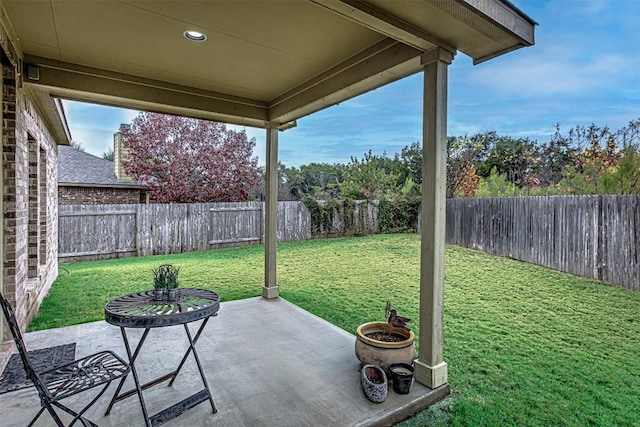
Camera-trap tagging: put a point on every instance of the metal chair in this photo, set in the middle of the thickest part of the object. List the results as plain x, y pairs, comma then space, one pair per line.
67, 380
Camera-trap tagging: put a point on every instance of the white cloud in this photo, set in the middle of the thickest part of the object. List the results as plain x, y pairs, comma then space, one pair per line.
94, 125
555, 73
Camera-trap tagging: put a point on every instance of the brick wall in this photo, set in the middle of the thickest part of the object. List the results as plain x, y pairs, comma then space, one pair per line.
30, 201
19, 121
98, 196
15, 237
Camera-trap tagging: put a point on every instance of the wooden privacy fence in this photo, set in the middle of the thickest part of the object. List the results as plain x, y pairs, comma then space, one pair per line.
112, 231
590, 236
360, 220
97, 231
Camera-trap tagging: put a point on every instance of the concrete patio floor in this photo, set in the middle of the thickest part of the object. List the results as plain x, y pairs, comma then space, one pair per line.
268, 363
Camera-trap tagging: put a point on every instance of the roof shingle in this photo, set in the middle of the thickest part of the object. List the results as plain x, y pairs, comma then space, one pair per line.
78, 167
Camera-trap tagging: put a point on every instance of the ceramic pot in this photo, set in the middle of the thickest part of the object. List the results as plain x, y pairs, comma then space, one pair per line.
171, 294
374, 383
158, 294
372, 351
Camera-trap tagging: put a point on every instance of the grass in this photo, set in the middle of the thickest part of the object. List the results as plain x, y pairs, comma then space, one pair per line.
525, 345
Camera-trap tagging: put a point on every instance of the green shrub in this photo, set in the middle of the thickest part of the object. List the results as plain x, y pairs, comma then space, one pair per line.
399, 216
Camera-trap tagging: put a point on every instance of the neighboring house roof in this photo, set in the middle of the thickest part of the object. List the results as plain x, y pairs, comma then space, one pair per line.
77, 168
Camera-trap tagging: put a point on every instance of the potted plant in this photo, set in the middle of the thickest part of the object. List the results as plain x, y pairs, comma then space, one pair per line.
385, 343
165, 282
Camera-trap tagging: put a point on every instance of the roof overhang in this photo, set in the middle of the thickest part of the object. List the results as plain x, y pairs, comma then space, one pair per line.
90, 185
52, 112
263, 63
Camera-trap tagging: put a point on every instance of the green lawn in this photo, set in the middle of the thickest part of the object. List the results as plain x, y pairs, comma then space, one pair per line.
525, 345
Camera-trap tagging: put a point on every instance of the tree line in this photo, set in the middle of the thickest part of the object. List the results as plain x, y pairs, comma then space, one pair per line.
584, 160
188, 160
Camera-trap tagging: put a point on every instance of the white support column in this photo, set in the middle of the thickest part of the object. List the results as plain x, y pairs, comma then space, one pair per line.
270, 288
430, 368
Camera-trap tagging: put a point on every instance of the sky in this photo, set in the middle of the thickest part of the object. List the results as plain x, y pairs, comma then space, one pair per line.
583, 69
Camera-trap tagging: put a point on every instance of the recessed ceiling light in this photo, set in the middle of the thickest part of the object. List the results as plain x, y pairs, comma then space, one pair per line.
196, 36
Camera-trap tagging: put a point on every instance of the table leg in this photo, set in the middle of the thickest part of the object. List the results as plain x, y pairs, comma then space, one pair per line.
184, 358
117, 396
132, 358
175, 410
195, 356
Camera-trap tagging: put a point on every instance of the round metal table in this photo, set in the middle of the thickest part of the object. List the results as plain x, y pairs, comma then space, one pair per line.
141, 310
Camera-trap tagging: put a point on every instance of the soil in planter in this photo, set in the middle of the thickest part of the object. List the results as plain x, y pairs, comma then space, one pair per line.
385, 337
374, 376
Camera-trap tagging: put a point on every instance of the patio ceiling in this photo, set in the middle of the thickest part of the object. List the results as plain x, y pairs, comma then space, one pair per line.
262, 61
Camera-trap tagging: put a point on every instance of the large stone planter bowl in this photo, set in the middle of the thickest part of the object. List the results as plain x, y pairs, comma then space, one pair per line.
373, 352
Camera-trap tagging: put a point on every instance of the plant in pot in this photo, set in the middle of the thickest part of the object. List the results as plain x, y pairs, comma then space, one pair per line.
165, 282
385, 343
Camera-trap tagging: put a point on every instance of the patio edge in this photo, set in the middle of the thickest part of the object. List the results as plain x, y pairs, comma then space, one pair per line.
411, 408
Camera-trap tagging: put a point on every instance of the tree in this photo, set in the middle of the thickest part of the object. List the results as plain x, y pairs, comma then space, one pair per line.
496, 185
188, 160
77, 145
516, 159
108, 154
411, 158
463, 153
605, 162
625, 178
291, 185
367, 179
321, 180
467, 183
317, 180
554, 158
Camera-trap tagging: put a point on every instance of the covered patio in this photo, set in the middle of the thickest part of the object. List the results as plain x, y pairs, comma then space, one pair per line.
264, 64
267, 362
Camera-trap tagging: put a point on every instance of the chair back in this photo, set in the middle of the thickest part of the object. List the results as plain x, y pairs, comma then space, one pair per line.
10, 316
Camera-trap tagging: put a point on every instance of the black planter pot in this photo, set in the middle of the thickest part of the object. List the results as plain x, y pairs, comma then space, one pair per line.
402, 376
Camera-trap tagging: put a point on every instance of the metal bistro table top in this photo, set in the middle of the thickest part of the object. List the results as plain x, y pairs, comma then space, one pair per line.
140, 310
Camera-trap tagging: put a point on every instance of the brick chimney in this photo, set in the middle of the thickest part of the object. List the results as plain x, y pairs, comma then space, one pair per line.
120, 153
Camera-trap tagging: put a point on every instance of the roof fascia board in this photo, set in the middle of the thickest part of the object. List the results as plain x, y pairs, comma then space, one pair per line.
53, 115
91, 185
506, 16
385, 62
62, 116
482, 59
73, 81
379, 21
